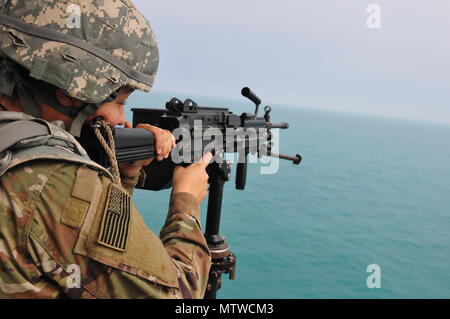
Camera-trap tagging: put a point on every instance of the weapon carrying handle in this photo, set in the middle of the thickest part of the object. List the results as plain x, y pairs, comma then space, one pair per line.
250, 95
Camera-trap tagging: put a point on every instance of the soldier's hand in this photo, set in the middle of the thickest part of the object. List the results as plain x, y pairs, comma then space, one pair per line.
192, 179
164, 142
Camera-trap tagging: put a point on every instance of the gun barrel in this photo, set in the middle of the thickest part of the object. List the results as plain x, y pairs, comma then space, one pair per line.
295, 159
282, 126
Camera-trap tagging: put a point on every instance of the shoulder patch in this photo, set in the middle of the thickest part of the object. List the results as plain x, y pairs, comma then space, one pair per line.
84, 187
75, 212
144, 256
115, 224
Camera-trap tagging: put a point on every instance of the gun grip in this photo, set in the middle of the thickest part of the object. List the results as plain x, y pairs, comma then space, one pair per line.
241, 174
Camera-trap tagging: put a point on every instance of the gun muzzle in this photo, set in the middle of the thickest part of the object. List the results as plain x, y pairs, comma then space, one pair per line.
282, 126
295, 159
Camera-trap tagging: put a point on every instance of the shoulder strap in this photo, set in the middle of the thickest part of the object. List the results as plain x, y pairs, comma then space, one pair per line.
14, 132
24, 139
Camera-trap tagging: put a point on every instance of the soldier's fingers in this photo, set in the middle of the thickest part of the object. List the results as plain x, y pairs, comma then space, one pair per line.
171, 141
161, 144
174, 141
206, 191
164, 140
148, 127
128, 125
167, 143
178, 169
204, 161
158, 142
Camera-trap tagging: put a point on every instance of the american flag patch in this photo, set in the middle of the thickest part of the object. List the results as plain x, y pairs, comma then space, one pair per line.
116, 220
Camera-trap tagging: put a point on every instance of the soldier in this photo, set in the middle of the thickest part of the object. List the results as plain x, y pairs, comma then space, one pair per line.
68, 227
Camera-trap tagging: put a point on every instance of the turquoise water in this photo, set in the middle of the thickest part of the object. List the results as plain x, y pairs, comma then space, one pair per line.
369, 191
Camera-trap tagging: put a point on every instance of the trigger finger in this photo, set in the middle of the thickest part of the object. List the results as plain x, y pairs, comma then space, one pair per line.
162, 146
159, 143
174, 142
168, 148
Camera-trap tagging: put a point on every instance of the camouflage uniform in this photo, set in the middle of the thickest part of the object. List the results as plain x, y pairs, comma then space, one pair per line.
47, 232
65, 229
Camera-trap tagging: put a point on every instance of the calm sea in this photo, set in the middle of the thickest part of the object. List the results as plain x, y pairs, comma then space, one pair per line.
370, 190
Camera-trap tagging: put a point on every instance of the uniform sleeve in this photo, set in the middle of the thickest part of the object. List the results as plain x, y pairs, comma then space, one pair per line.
184, 241
130, 182
88, 240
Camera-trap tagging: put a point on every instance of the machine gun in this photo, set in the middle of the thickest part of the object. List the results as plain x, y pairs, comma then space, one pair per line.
135, 144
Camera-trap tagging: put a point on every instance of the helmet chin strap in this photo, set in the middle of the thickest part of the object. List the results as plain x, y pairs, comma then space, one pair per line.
85, 112
28, 89
46, 94
81, 117
29, 104
78, 114
13, 80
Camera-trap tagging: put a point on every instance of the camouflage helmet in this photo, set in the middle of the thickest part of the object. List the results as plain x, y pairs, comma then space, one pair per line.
88, 48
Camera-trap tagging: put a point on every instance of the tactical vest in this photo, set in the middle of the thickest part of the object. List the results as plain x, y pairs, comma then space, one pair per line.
24, 138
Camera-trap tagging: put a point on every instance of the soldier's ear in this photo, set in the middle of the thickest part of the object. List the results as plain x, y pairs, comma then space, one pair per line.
63, 98
66, 100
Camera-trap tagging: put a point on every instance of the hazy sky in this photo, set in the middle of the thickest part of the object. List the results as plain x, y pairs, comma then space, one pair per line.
315, 53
